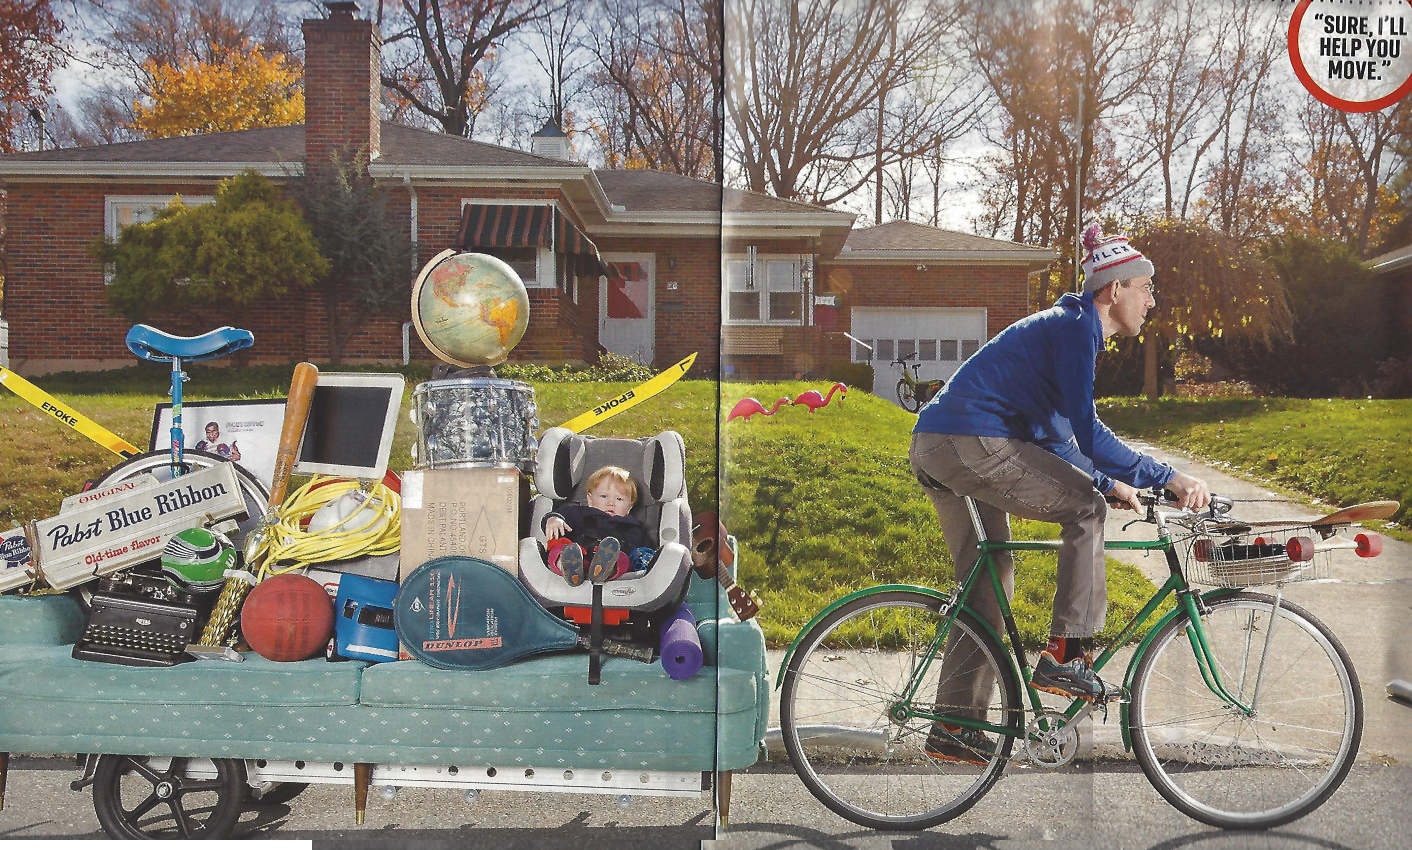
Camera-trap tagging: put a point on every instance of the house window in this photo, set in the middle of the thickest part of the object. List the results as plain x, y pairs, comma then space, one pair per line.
862, 350
927, 349
947, 347
969, 347
121, 211
906, 348
535, 266
883, 351
767, 291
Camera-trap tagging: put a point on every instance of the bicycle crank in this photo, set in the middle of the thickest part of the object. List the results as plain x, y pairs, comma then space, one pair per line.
1052, 740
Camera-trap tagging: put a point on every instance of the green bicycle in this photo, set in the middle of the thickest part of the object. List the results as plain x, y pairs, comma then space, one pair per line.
1244, 709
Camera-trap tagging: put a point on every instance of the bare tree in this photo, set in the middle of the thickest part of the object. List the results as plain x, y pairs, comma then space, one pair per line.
655, 85
1037, 67
803, 87
436, 53
1243, 181
556, 43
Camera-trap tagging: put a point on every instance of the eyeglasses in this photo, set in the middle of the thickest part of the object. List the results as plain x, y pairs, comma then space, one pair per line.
1151, 290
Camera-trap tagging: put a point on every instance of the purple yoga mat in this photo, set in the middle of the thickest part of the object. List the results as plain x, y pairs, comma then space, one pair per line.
681, 647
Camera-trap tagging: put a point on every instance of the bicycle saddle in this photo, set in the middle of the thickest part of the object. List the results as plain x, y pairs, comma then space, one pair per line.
149, 343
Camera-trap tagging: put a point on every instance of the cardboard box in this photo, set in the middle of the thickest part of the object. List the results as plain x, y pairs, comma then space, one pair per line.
462, 512
475, 511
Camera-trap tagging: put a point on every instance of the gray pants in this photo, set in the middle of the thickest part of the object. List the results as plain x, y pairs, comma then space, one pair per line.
1007, 476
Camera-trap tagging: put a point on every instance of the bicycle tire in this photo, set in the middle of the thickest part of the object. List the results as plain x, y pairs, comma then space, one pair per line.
257, 496
906, 398
1215, 764
900, 787
195, 808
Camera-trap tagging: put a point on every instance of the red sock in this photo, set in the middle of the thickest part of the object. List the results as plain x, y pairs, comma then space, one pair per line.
1064, 649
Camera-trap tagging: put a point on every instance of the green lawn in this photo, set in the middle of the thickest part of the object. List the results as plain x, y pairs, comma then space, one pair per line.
822, 503
1342, 451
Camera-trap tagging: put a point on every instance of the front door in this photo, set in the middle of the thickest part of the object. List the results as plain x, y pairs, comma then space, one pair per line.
627, 306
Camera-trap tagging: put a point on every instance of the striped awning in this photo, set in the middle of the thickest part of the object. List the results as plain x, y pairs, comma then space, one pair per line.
504, 226
571, 241
528, 226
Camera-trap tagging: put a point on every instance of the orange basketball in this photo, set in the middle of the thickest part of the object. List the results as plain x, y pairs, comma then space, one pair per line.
287, 618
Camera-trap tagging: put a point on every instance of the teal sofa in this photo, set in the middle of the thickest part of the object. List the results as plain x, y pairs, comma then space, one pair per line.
535, 714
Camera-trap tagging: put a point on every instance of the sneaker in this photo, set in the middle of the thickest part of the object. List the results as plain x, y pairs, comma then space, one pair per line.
605, 560
1074, 678
571, 564
961, 745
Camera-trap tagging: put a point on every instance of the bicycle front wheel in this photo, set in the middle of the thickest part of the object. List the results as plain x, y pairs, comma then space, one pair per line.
849, 724
906, 397
1227, 768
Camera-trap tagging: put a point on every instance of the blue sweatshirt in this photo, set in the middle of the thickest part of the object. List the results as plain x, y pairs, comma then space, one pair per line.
1034, 382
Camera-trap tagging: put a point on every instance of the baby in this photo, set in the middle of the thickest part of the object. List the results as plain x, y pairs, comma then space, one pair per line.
618, 543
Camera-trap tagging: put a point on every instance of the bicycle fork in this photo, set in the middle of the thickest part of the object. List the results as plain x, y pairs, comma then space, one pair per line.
1206, 661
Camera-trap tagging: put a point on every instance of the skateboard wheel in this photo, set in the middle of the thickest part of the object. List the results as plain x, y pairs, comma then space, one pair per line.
1370, 544
1202, 550
1300, 548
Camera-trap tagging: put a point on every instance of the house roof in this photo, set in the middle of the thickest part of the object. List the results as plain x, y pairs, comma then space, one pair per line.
277, 150
400, 146
1394, 260
642, 190
908, 241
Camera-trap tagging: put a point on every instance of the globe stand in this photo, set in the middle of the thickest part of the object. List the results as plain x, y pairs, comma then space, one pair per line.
446, 370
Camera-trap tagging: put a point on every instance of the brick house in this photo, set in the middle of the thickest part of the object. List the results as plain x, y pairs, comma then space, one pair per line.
643, 263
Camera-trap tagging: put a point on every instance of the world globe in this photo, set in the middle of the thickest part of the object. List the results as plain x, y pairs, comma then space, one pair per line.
470, 309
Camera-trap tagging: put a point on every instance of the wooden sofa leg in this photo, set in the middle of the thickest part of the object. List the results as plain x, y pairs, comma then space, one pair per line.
4, 769
723, 798
362, 778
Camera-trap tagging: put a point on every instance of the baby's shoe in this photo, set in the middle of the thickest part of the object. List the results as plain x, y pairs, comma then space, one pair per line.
605, 560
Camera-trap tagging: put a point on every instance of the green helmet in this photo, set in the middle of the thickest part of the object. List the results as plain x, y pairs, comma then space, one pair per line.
196, 559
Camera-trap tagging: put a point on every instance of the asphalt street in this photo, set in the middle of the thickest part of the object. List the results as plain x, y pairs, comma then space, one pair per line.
1103, 801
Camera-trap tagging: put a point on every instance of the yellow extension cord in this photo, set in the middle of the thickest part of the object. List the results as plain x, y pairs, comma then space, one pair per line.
291, 547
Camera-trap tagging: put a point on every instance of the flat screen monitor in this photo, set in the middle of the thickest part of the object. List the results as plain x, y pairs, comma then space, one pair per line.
351, 422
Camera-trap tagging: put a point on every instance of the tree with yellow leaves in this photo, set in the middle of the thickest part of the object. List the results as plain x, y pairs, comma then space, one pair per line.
238, 90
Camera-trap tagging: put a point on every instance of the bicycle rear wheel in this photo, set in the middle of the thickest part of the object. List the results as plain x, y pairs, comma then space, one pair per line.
906, 397
841, 725
1227, 769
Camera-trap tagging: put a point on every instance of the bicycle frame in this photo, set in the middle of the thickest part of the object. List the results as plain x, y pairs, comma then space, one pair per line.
1191, 603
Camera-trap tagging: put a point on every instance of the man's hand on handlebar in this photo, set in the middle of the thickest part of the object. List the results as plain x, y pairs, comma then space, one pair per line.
1124, 496
1192, 493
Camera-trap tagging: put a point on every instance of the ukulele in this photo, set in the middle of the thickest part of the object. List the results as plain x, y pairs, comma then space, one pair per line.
710, 551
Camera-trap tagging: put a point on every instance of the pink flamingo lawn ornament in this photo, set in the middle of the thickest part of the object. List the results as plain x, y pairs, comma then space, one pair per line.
816, 401
748, 407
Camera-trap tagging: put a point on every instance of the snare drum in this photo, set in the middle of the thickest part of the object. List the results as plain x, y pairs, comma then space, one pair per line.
464, 422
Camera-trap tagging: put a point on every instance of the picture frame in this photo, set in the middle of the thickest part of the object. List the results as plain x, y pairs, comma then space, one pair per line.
248, 429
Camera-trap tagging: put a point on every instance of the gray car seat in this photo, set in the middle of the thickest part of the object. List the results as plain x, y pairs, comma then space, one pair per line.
562, 466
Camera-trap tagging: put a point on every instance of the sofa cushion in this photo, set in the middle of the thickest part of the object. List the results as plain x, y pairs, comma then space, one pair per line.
559, 683
40, 620
50, 673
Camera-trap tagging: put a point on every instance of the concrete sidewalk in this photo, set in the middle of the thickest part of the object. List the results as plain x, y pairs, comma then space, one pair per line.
1365, 602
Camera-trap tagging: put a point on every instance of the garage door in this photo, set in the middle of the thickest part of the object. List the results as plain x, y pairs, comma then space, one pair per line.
940, 337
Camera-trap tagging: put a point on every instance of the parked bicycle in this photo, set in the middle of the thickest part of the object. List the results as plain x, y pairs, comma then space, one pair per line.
1244, 709
912, 392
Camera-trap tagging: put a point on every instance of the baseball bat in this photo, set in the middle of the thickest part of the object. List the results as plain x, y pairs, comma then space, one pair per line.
220, 628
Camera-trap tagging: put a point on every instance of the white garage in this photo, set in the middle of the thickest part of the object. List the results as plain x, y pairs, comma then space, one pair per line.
939, 337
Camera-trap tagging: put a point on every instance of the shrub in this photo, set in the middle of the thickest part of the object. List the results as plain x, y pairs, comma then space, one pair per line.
858, 375
610, 367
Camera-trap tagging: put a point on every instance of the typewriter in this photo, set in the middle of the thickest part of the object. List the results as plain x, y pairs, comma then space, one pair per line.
138, 620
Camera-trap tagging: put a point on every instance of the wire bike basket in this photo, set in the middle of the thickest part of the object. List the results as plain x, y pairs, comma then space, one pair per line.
1248, 558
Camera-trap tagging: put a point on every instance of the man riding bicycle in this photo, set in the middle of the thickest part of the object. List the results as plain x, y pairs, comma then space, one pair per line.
1016, 430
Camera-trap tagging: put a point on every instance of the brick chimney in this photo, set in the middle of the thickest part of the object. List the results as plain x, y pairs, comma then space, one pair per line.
342, 85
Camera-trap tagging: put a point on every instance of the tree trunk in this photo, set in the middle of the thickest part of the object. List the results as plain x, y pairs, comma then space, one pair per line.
1151, 387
